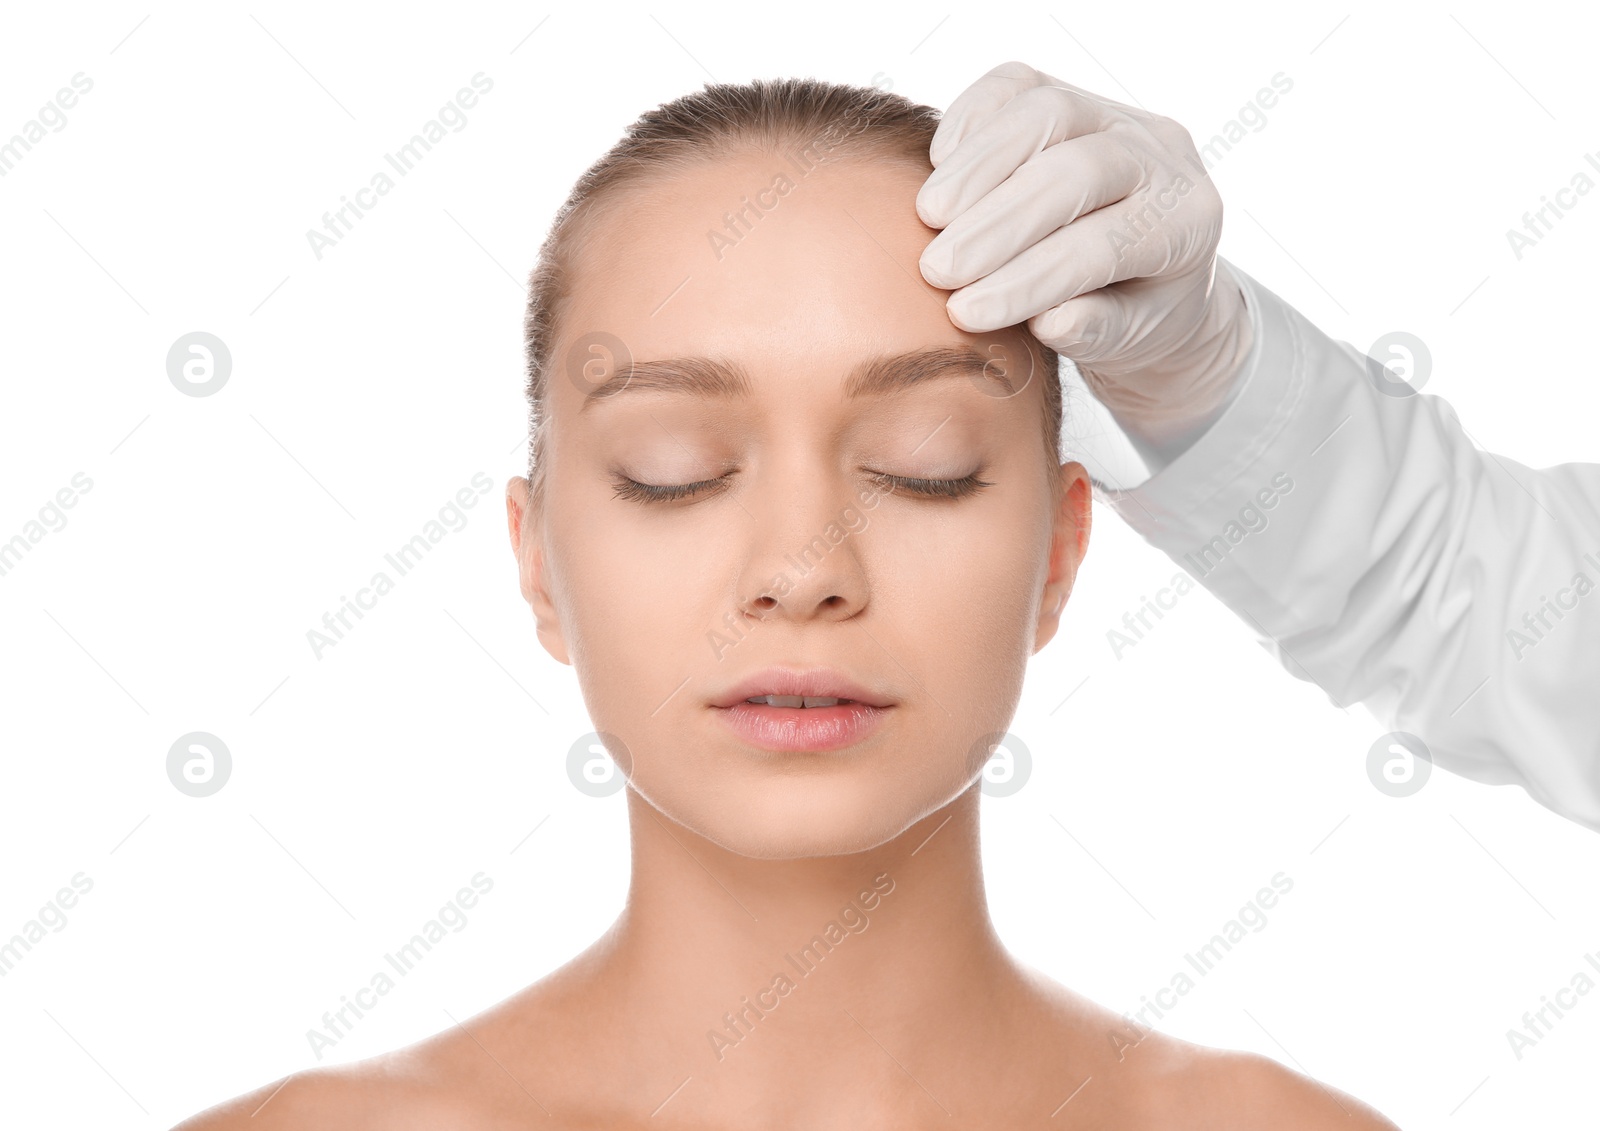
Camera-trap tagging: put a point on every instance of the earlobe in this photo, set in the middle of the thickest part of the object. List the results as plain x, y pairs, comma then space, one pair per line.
530, 571
546, 623
553, 644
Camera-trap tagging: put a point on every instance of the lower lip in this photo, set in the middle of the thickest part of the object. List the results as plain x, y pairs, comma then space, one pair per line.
793, 730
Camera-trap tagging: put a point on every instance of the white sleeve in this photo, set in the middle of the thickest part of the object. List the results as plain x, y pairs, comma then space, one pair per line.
1379, 554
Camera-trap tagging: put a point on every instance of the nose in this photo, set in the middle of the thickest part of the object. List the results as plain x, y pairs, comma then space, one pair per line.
804, 560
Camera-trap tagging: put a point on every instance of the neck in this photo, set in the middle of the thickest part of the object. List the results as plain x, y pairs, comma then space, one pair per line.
733, 970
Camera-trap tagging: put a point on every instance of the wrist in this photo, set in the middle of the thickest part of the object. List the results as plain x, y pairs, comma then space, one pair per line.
1167, 405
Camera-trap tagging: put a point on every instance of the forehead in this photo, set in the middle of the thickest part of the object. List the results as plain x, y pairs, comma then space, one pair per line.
757, 259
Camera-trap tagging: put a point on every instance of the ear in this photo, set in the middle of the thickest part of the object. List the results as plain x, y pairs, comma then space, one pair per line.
1069, 542
525, 525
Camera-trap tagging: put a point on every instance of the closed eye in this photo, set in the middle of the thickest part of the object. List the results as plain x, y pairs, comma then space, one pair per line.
934, 488
634, 491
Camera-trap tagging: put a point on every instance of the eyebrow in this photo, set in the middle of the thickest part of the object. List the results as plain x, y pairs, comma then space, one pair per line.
887, 373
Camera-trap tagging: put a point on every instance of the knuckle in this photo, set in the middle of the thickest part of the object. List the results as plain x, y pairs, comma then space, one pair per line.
1172, 133
1018, 74
1016, 69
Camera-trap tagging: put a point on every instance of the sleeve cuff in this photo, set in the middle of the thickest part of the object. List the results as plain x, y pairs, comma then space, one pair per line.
1157, 456
1270, 387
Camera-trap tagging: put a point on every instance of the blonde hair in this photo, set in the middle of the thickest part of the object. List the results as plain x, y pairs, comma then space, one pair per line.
720, 121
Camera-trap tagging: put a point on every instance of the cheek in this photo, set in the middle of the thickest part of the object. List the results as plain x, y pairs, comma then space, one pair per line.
958, 606
641, 606
971, 579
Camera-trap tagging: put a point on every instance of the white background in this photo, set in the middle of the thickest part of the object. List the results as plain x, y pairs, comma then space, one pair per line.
369, 386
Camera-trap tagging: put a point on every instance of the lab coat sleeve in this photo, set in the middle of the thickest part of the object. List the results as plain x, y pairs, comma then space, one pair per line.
1378, 553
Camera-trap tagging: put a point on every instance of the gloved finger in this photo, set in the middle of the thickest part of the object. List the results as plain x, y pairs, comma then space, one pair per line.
1093, 251
990, 91
1129, 325
1082, 327
993, 90
1031, 123
1123, 321
1053, 188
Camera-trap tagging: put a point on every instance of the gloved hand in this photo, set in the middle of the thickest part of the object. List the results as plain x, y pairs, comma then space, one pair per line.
1097, 224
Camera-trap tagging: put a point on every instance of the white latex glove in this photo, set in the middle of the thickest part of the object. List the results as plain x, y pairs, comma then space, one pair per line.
1097, 224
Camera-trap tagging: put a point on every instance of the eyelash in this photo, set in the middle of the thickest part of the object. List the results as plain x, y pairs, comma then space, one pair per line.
634, 491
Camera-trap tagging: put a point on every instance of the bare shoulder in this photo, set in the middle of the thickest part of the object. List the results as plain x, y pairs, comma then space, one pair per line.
451, 1080
317, 1098
1195, 1086
1142, 1079
392, 1092
517, 1064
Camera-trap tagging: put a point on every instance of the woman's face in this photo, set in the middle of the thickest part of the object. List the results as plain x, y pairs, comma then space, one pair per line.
799, 555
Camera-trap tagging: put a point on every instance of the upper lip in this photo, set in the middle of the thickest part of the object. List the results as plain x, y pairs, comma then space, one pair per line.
816, 683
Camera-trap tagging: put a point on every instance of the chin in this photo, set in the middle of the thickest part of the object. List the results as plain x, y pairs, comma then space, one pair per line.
797, 817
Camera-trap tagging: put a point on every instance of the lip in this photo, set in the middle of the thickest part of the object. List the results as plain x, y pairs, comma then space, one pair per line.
817, 683
802, 730
796, 730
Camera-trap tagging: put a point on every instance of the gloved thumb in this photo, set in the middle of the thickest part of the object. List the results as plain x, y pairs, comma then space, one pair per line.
1087, 328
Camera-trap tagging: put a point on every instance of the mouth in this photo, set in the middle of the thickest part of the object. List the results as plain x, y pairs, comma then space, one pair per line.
804, 702
788, 724
796, 689
785, 710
